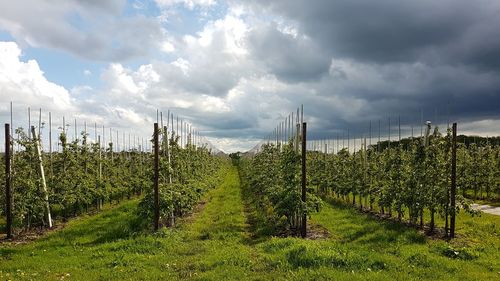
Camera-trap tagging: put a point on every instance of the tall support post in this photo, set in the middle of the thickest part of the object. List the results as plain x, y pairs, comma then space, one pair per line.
161, 119
303, 230
12, 151
337, 143
8, 190
182, 133
76, 131
389, 143
99, 170
111, 143
103, 143
166, 143
95, 132
453, 179
370, 133
301, 113
42, 174
29, 122
167, 150
50, 144
378, 143
156, 178
399, 130
172, 123
297, 138
421, 123
348, 142
40, 123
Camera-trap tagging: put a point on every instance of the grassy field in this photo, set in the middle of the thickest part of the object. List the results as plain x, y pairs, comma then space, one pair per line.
216, 243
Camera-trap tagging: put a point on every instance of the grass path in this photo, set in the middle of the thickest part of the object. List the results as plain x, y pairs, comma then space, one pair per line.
110, 246
215, 244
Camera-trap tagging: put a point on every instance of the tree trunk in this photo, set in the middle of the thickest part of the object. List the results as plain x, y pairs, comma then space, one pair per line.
431, 225
42, 175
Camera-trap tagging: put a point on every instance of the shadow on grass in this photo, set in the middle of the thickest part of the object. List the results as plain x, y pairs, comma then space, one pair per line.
118, 223
354, 226
257, 225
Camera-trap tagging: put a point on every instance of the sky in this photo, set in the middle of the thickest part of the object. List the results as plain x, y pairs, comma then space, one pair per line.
235, 69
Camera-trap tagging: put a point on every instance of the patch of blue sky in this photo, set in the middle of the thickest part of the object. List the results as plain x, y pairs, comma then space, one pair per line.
65, 69
178, 19
5, 36
147, 8
60, 67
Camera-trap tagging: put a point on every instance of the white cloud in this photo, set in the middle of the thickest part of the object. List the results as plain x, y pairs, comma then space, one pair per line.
96, 30
234, 78
167, 47
232, 30
182, 64
128, 115
229, 145
213, 104
486, 127
191, 4
25, 83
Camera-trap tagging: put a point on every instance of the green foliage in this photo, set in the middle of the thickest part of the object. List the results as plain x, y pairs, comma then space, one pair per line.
216, 244
80, 177
273, 178
408, 178
185, 175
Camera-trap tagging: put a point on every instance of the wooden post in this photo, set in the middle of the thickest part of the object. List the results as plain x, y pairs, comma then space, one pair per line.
42, 174
453, 179
303, 230
12, 150
156, 177
8, 190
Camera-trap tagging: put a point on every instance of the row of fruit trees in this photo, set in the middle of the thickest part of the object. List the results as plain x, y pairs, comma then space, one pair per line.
84, 175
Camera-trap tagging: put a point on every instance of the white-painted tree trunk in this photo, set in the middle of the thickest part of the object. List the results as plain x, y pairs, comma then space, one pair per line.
42, 174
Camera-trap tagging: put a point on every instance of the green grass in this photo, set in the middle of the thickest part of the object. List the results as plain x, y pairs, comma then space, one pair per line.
217, 244
439, 220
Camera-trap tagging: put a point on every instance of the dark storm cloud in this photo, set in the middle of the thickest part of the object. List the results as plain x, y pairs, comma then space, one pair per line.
392, 58
455, 93
290, 59
450, 31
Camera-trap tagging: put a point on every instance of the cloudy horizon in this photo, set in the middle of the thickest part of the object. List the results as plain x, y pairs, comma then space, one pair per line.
234, 69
